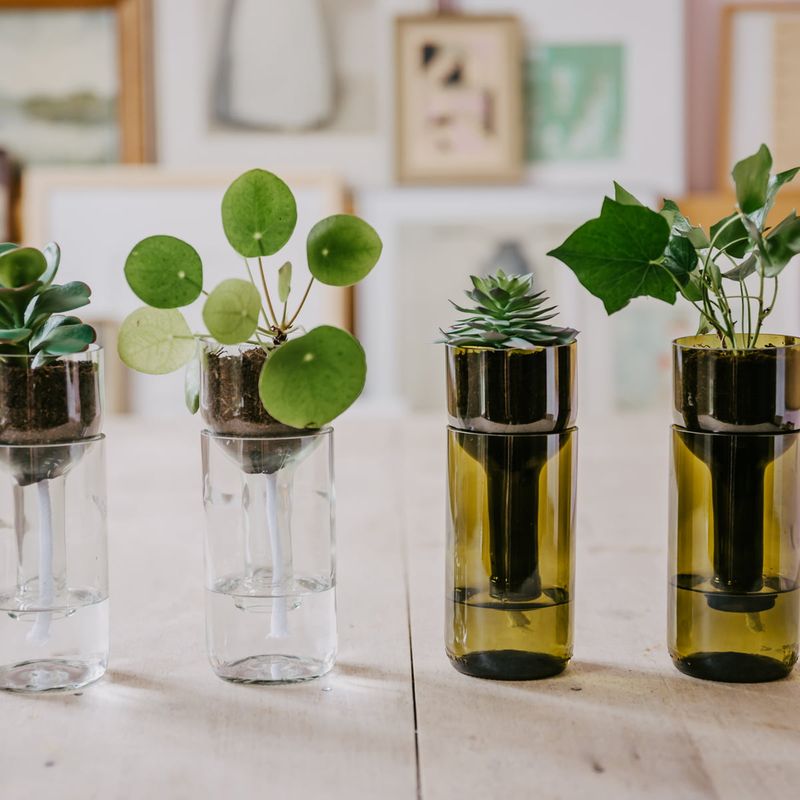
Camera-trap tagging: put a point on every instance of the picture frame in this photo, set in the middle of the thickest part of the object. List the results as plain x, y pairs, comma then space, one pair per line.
758, 51
97, 215
651, 154
187, 136
133, 45
458, 112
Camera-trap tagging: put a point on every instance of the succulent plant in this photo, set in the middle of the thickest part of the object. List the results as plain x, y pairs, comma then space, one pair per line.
32, 319
507, 314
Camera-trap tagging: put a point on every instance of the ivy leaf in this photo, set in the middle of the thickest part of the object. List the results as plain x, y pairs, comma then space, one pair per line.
733, 239
309, 381
743, 270
164, 272
782, 244
682, 227
751, 176
680, 258
259, 214
21, 266
231, 311
342, 250
613, 255
155, 341
624, 197
285, 281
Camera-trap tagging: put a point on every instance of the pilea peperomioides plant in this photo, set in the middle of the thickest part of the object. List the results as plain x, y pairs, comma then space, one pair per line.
306, 379
729, 273
32, 320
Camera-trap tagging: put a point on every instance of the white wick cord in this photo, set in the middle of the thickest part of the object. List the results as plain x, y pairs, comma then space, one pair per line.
279, 623
40, 633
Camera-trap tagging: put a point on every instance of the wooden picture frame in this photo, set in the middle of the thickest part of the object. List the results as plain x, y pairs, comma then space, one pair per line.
470, 133
134, 44
725, 151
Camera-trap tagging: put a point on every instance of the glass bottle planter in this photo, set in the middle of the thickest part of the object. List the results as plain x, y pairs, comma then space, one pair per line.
53, 563
511, 473
734, 606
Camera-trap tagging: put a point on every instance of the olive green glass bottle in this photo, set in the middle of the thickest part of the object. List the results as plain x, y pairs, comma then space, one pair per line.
734, 605
511, 470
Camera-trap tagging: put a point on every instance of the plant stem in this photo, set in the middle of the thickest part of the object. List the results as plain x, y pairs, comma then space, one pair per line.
266, 292
302, 303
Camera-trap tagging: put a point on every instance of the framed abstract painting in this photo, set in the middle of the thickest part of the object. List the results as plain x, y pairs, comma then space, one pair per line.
458, 99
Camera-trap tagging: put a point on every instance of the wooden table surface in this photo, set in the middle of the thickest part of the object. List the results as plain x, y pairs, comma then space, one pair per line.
394, 719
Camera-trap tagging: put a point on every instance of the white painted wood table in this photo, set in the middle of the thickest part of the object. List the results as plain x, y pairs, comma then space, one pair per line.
394, 719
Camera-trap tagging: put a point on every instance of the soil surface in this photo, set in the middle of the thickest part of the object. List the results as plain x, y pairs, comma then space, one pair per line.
58, 402
229, 399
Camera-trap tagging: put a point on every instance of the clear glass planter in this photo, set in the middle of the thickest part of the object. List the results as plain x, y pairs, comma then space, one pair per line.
734, 601
510, 553
53, 566
270, 556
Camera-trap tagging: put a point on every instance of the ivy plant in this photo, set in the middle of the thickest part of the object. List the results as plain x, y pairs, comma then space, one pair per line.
308, 379
729, 272
32, 308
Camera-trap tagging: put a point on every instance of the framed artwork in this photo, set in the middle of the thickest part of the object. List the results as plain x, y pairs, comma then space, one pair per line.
458, 99
209, 53
575, 96
97, 214
75, 81
610, 85
760, 96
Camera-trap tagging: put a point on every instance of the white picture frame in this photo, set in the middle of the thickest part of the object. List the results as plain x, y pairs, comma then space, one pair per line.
98, 214
183, 102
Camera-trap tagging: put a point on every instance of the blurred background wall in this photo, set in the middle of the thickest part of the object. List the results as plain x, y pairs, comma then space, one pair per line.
471, 134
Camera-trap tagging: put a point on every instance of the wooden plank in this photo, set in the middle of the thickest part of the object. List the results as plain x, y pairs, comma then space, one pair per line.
621, 721
161, 724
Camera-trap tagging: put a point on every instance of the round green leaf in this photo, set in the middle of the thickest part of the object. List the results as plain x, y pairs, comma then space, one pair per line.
21, 266
231, 311
258, 213
342, 250
165, 272
155, 341
309, 381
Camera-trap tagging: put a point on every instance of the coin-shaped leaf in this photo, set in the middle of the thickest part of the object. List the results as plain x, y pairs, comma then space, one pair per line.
342, 250
309, 381
231, 311
155, 341
165, 272
258, 213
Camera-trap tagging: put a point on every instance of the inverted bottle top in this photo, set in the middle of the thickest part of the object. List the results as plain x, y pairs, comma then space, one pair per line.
743, 390
511, 391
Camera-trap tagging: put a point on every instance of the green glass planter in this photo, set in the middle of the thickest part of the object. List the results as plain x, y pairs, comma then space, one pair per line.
511, 474
734, 606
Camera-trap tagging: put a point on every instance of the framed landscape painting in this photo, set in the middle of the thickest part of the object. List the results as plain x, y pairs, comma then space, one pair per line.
459, 87
75, 81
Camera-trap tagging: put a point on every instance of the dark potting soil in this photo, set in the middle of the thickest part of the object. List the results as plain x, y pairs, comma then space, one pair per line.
229, 399
58, 402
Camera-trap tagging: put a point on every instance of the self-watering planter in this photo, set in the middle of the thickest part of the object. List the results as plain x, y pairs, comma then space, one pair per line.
734, 610
511, 476
267, 390
53, 565
270, 567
